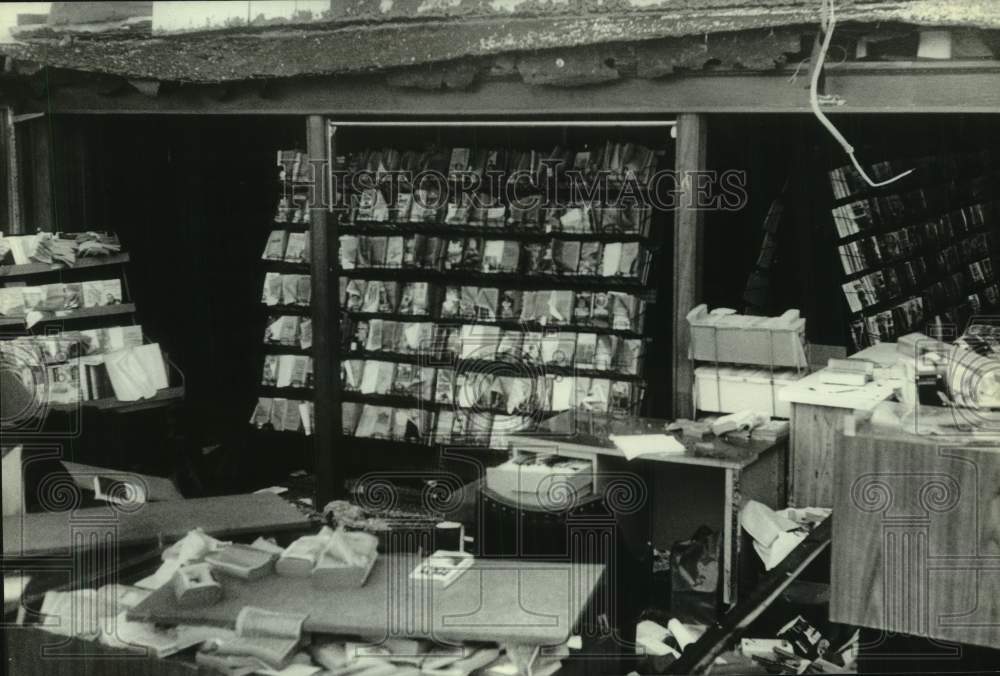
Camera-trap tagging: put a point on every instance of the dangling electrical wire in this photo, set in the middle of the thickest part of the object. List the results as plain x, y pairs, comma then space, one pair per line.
830, 22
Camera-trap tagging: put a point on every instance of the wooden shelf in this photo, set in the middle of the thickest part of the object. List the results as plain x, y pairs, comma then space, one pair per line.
81, 264
399, 228
287, 392
292, 227
505, 324
278, 348
73, 315
301, 310
162, 397
408, 401
506, 280
298, 266
518, 369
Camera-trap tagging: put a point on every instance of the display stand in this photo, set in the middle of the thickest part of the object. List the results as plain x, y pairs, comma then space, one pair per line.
50, 322
426, 417
285, 403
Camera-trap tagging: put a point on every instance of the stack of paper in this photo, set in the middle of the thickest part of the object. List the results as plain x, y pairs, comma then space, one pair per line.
636, 445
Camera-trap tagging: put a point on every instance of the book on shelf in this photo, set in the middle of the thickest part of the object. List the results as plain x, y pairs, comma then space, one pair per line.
622, 398
351, 374
274, 249
136, 372
413, 381
375, 422
380, 296
283, 330
597, 395
466, 389
410, 425
273, 287
479, 341
415, 338
269, 371
628, 357
394, 252
604, 352
357, 336
448, 340
524, 216
413, 249
348, 252
509, 346
297, 250
454, 254
350, 415
624, 312
566, 256
65, 383
355, 293
102, 292
459, 162
375, 250
457, 213
558, 348
415, 298
630, 262
485, 305
467, 302
433, 254
444, 386
290, 371
17, 299
443, 424
281, 289
531, 347
537, 259
377, 377
611, 259
577, 219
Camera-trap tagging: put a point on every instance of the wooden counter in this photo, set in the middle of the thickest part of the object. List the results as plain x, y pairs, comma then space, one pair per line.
520, 602
916, 540
817, 420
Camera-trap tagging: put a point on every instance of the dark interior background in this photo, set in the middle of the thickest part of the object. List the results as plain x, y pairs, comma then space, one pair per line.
192, 199
773, 149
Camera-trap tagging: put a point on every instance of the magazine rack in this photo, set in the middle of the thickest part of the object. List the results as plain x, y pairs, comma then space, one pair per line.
104, 316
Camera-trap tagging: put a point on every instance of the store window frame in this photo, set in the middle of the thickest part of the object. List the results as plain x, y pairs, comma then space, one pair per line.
10, 185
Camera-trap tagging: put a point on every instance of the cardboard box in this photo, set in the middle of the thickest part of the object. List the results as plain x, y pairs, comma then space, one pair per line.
746, 339
729, 390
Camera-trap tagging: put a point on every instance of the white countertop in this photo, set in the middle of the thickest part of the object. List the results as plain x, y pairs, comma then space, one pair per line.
810, 390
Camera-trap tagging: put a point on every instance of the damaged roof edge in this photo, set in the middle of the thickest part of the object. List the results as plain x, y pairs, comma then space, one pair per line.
290, 51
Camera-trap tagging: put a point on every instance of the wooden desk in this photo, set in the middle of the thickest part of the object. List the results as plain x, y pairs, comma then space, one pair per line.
916, 539
514, 602
817, 420
61, 533
689, 490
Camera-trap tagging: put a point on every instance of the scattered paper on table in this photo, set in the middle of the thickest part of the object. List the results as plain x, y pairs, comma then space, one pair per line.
636, 445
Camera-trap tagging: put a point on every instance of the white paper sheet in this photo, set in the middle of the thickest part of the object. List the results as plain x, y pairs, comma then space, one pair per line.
636, 445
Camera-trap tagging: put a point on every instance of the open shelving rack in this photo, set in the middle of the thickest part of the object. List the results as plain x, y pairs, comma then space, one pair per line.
329, 392
77, 319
